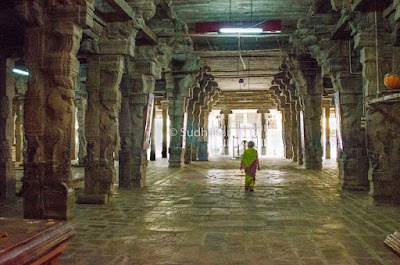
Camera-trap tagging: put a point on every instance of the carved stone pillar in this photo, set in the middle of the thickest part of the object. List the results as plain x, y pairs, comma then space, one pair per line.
164, 129
196, 132
48, 117
299, 121
263, 133
189, 132
104, 73
312, 131
225, 132
382, 130
7, 167
81, 105
203, 143
153, 136
180, 86
176, 116
136, 87
310, 91
138, 155
19, 143
327, 133
295, 132
287, 133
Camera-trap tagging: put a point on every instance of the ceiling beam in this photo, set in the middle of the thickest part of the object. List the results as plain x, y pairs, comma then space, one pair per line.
123, 11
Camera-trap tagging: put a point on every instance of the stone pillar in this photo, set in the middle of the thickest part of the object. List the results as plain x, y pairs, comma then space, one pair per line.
137, 85
382, 130
20, 89
226, 131
189, 132
295, 132
165, 128
180, 86
48, 112
153, 136
104, 73
138, 155
327, 133
19, 133
196, 131
176, 116
263, 133
307, 76
300, 160
312, 131
203, 143
81, 105
287, 132
7, 167
353, 160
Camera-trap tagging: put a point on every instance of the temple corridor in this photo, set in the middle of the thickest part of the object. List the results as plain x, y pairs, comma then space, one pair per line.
200, 214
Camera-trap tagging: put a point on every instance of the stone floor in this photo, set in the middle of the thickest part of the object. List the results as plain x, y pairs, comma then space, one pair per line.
202, 215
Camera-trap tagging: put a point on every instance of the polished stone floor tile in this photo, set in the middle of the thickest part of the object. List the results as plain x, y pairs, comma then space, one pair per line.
201, 215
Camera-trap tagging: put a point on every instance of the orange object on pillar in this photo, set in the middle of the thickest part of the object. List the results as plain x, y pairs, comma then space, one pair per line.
392, 81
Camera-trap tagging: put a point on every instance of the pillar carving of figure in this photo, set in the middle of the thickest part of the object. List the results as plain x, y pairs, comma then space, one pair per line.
51, 48
7, 167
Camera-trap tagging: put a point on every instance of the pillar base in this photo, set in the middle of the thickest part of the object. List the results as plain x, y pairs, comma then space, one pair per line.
99, 178
203, 151
50, 198
176, 157
8, 183
353, 174
138, 183
194, 153
312, 165
264, 151
93, 199
152, 156
226, 150
188, 155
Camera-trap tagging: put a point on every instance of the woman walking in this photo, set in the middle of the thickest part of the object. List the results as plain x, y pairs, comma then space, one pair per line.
250, 165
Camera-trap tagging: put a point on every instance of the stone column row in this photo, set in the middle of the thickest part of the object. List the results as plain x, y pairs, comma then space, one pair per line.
7, 170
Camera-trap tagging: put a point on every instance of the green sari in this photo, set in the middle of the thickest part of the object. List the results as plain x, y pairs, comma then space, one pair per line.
250, 165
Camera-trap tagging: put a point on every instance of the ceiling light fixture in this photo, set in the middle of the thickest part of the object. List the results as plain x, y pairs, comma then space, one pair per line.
20, 71
232, 30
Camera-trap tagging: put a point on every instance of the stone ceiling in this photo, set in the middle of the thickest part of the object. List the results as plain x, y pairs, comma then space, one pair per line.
261, 55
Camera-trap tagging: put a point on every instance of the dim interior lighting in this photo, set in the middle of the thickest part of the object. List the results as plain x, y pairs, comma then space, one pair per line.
20, 71
240, 30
